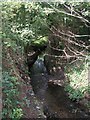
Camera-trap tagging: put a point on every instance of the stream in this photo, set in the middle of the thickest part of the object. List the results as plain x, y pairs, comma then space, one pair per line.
53, 98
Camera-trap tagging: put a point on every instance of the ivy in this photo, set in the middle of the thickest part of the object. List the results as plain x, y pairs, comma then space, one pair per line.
10, 97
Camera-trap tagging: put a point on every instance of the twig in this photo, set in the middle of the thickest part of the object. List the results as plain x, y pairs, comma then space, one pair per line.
63, 12
83, 19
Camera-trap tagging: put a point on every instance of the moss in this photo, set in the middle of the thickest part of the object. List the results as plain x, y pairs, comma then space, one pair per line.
39, 42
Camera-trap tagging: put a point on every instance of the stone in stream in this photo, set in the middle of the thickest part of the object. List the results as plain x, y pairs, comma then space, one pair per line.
38, 67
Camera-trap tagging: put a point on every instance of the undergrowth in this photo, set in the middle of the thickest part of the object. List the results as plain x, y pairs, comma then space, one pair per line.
78, 85
11, 104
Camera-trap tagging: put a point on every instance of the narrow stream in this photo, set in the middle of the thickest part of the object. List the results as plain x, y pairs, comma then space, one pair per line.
53, 98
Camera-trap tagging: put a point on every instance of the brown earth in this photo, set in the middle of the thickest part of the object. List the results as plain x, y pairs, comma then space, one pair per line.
15, 62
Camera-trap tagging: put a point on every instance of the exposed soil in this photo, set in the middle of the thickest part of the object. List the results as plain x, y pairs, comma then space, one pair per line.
54, 99
16, 63
40, 99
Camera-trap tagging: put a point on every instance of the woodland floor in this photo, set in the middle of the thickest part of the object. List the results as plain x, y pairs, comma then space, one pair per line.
32, 108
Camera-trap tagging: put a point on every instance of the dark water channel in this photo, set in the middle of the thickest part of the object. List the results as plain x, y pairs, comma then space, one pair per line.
53, 98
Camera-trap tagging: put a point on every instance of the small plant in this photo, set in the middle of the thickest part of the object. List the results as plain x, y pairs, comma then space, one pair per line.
78, 85
74, 94
16, 113
10, 97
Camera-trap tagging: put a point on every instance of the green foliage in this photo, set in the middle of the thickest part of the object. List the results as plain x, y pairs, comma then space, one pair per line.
78, 85
25, 22
10, 91
30, 22
22, 23
16, 113
39, 42
74, 94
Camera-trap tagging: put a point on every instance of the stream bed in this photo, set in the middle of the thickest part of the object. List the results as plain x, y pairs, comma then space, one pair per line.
53, 98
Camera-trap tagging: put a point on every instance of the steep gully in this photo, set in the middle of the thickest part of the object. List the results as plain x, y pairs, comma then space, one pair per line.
53, 98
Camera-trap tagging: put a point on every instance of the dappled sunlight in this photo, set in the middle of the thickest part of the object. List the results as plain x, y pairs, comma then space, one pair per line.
45, 49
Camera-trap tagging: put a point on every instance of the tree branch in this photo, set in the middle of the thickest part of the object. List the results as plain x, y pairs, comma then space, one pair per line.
72, 15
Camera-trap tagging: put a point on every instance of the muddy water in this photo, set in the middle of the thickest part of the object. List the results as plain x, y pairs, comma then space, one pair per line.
53, 98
